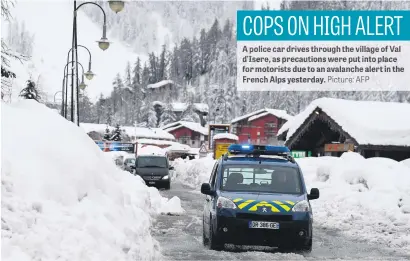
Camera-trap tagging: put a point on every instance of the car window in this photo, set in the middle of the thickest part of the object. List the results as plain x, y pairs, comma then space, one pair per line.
213, 175
259, 178
151, 162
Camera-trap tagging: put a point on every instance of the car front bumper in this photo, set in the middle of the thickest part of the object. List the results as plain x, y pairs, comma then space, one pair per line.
234, 230
160, 183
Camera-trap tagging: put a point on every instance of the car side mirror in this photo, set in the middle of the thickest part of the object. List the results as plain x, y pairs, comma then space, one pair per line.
314, 194
132, 166
171, 168
206, 189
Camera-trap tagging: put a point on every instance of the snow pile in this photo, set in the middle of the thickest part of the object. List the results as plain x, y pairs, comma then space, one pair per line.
228, 136
367, 198
193, 172
361, 119
63, 200
163, 205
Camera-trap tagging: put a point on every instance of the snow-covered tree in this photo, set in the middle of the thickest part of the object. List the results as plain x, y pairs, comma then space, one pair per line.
117, 134
107, 134
30, 91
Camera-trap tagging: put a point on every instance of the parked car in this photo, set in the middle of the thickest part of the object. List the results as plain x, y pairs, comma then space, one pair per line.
129, 165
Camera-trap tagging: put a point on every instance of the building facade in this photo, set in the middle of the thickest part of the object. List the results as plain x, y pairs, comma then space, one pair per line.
188, 133
260, 127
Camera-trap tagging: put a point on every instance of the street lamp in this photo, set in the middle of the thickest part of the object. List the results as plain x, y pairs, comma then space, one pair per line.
89, 74
103, 43
116, 6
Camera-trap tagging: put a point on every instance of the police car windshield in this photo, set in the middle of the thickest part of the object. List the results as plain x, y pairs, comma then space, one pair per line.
151, 162
259, 178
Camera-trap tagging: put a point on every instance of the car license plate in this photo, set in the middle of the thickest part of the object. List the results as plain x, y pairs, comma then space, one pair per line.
151, 182
263, 224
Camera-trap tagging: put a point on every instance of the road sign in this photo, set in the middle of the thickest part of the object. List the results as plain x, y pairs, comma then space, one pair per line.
221, 149
203, 152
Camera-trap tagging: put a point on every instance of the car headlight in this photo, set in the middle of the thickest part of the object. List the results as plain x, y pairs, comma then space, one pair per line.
225, 203
165, 177
302, 206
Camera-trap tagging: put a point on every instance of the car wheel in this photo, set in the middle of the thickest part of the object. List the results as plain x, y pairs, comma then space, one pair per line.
214, 240
305, 248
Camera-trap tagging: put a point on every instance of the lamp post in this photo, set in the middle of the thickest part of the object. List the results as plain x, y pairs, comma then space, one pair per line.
89, 74
103, 43
64, 88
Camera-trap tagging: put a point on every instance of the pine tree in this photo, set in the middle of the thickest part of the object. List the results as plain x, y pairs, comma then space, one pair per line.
117, 134
107, 135
30, 92
162, 65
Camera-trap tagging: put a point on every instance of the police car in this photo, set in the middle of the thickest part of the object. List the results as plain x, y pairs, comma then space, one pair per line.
257, 196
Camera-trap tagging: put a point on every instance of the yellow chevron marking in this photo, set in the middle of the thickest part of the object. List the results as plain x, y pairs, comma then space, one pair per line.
290, 202
282, 205
237, 200
244, 204
264, 204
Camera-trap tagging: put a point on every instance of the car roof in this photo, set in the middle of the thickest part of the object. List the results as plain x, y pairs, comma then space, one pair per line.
147, 155
259, 160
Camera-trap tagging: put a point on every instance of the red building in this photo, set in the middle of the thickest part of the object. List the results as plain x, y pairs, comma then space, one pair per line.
259, 127
189, 133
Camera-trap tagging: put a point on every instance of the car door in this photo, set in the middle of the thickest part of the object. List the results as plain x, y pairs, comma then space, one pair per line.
208, 199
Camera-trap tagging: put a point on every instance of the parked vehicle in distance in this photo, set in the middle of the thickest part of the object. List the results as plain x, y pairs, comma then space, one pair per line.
154, 170
129, 165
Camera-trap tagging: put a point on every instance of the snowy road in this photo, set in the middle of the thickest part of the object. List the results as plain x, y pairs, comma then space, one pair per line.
180, 238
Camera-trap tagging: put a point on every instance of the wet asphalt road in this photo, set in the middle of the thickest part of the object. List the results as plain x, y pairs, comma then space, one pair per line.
180, 238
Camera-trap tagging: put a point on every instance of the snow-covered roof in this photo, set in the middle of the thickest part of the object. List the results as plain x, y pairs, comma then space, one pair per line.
153, 133
261, 113
179, 106
278, 113
202, 107
225, 136
189, 125
159, 84
90, 127
139, 132
368, 122
159, 103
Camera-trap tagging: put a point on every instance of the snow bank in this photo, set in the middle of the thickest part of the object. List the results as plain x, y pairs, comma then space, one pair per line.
63, 200
193, 172
406, 162
367, 198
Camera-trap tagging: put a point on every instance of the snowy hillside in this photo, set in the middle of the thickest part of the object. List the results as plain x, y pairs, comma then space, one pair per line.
63, 199
51, 24
147, 25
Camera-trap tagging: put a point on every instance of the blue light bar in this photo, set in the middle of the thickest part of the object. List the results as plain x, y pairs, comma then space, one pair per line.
236, 149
